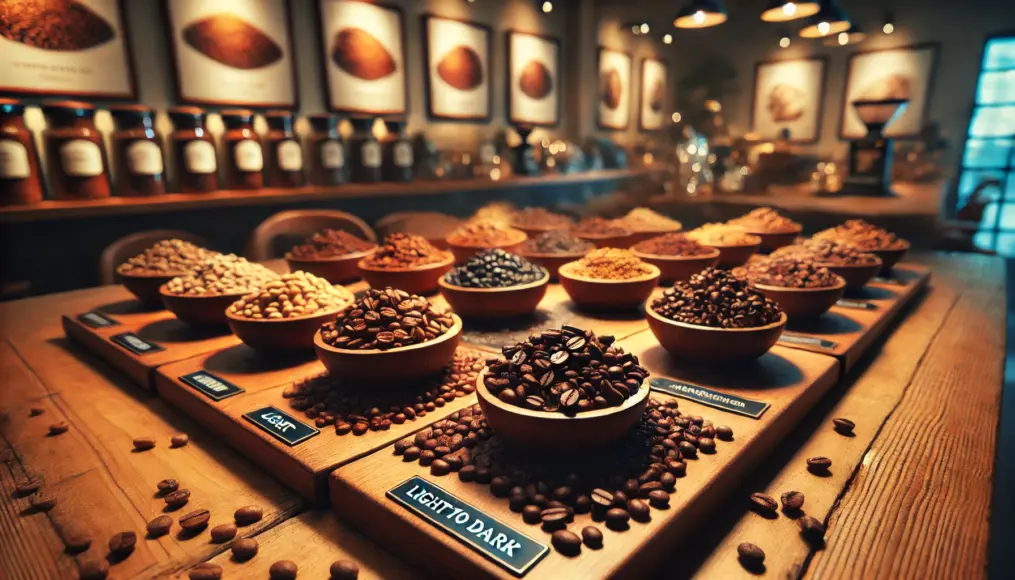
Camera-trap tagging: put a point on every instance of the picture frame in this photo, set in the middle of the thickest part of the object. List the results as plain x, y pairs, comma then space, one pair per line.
458, 76
233, 52
654, 94
363, 57
533, 79
890, 72
614, 96
94, 62
789, 94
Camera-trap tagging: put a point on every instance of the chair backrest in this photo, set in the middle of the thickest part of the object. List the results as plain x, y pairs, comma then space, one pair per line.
434, 226
275, 235
131, 245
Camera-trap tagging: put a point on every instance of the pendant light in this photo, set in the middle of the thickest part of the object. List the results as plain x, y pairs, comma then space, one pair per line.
830, 20
785, 10
701, 14
854, 35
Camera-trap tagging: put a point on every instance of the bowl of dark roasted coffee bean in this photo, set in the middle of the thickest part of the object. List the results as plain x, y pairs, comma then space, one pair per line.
868, 238
494, 284
676, 255
552, 250
204, 295
715, 316
563, 390
604, 233
801, 288
538, 220
855, 266
774, 229
483, 235
645, 223
330, 254
608, 279
734, 244
144, 273
386, 338
407, 262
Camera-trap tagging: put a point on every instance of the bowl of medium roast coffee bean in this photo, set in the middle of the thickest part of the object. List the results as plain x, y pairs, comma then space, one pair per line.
604, 233
538, 220
552, 250
386, 338
734, 244
330, 254
855, 266
676, 255
608, 279
285, 313
645, 223
204, 295
774, 229
563, 391
144, 273
868, 238
483, 235
407, 262
801, 288
715, 316
494, 284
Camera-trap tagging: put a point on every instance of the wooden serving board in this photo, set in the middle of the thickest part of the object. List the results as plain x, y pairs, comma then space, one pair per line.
790, 380
304, 465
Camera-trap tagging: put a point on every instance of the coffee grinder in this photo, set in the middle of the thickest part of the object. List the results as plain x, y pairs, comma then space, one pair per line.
870, 158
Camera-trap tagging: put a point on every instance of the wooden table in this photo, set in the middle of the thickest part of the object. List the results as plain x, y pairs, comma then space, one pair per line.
908, 495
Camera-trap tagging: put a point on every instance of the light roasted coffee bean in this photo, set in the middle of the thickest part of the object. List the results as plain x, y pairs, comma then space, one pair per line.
751, 556
244, 549
160, 526
223, 533
179, 440
283, 570
123, 543
247, 515
144, 443
763, 503
792, 501
167, 486
205, 571
195, 521
344, 570
177, 499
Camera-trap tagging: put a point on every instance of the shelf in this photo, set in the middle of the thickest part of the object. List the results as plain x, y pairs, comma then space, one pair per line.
174, 202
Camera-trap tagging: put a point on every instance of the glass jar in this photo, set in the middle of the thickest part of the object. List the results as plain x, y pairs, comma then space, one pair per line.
244, 159
364, 152
20, 182
283, 152
326, 151
398, 158
137, 149
193, 151
78, 168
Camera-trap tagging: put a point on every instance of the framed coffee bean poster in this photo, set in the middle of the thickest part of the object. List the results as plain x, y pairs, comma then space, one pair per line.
65, 47
652, 98
363, 47
789, 96
614, 89
233, 52
533, 79
458, 68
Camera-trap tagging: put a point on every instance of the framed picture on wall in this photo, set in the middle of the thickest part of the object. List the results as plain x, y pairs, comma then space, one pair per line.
533, 79
458, 69
896, 73
789, 95
363, 51
653, 95
66, 48
233, 52
614, 89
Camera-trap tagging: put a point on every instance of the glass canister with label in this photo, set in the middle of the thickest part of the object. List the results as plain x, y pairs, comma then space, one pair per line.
74, 152
364, 152
326, 151
283, 152
244, 159
137, 150
193, 151
398, 158
20, 182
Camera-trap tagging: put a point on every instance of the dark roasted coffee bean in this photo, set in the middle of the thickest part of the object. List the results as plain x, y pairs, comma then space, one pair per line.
439, 467
247, 515
566, 542
223, 533
592, 537
699, 301
751, 556
178, 498
467, 473
123, 543
77, 542
205, 571
500, 486
28, 487
411, 454
844, 426
602, 498
706, 445
582, 504
554, 518
144, 443
639, 510
42, 501
168, 486
244, 549
617, 518
659, 499
819, 465
35, 411
93, 569
668, 480
195, 521
811, 528
763, 503
159, 526
792, 501
532, 514
344, 570
58, 428
179, 440
283, 570
687, 450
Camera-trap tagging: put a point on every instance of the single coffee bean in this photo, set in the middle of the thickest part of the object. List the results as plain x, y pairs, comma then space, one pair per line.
28, 487
751, 556
567, 543
620, 499
602, 498
811, 528
144, 443
160, 526
42, 502
500, 486
818, 465
706, 445
844, 426
244, 549
687, 449
247, 515
668, 480
582, 504
467, 473
639, 510
554, 518
283, 570
179, 440
77, 542
168, 486
792, 501
195, 521
36, 411
123, 543
592, 537
177, 499
223, 533
659, 499
344, 570
93, 569
616, 519
58, 428
763, 503
439, 467
205, 571
411, 454
531, 514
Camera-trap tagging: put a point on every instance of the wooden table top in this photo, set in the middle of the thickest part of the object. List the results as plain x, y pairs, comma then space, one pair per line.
911, 500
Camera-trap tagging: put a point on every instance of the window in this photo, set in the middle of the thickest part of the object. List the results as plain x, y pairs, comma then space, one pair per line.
989, 153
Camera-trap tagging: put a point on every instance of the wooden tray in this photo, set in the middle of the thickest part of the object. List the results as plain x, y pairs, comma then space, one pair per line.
789, 380
305, 464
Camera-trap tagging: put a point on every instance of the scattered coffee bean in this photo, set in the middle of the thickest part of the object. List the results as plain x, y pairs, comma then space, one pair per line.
706, 445
617, 518
160, 526
792, 501
639, 510
223, 533
811, 528
763, 503
344, 570
844, 426
195, 521
77, 542
283, 570
123, 543
467, 473
43, 502
592, 537
28, 487
718, 299
819, 465
144, 443
439, 467
659, 499
554, 518
244, 549
566, 542
500, 486
93, 569
179, 440
177, 499
36, 411
58, 428
205, 571
751, 556
724, 432
167, 486
247, 515
531, 514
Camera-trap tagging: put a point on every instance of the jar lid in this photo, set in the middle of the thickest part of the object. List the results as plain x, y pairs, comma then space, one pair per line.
279, 119
362, 123
323, 121
11, 107
237, 115
183, 114
394, 125
68, 109
128, 113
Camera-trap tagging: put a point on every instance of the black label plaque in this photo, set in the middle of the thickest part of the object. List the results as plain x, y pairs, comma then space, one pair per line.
135, 343
281, 425
501, 544
715, 399
857, 304
814, 341
213, 387
96, 320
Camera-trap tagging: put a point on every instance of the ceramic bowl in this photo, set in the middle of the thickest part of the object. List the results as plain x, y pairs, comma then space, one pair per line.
419, 280
608, 241
705, 343
199, 309
463, 251
679, 268
856, 275
336, 270
551, 262
145, 288
278, 334
731, 256
490, 303
594, 294
890, 257
638, 236
556, 432
771, 241
393, 367
800, 303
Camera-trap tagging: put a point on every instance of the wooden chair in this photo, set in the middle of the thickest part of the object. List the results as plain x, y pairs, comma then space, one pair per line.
128, 246
434, 226
275, 235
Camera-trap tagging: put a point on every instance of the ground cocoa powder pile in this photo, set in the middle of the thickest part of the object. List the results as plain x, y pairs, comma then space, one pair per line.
54, 25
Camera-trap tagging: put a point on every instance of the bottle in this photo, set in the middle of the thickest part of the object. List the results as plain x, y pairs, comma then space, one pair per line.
398, 158
193, 151
137, 148
20, 181
78, 168
283, 152
244, 159
326, 151
364, 152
